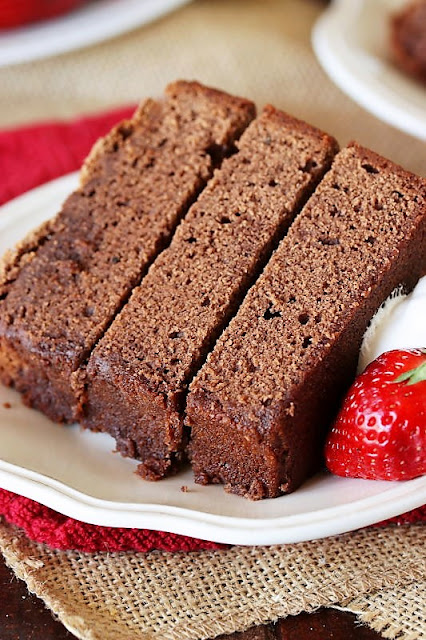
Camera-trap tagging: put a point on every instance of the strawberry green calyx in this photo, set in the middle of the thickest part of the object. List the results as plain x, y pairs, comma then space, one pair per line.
418, 374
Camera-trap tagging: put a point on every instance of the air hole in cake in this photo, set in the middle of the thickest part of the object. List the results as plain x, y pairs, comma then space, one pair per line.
303, 318
125, 131
378, 205
246, 161
309, 165
91, 193
292, 299
205, 302
89, 311
369, 168
171, 174
335, 186
329, 242
237, 214
176, 334
162, 143
272, 183
318, 317
115, 259
397, 195
352, 227
306, 342
251, 368
225, 220
175, 361
269, 313
216, 153
191, 240
135, 163
370, 240
122, 203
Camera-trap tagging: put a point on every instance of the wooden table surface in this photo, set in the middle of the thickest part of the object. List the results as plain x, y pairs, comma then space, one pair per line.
24, 617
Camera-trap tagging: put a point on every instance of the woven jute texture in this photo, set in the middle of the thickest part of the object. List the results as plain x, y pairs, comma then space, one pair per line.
203, 594
395, 614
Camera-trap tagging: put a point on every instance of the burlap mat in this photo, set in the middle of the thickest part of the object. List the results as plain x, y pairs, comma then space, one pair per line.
200, 595
260, 49
393, 613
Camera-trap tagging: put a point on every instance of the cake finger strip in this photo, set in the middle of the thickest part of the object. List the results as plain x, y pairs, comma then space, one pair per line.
62, 287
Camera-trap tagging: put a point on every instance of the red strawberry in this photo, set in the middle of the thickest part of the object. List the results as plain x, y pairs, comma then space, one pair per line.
380, 432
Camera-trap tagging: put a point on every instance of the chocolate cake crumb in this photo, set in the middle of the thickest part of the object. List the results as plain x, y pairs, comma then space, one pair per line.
60, 289
260, 406
138, 375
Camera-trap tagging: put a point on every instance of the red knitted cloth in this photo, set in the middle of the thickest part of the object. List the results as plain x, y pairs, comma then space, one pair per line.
30, 156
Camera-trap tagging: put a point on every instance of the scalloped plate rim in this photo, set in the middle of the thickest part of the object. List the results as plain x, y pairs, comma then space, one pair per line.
343, 62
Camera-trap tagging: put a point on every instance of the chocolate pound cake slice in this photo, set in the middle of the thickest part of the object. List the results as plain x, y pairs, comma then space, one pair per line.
62, 288
260, 406
137, 376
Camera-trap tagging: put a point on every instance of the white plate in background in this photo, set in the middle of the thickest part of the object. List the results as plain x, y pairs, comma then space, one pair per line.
350, 40
97, 21
75, 472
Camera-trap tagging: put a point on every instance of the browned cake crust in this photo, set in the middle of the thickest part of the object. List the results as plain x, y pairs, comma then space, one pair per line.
408, 39
61, 289
259, 407
137, 377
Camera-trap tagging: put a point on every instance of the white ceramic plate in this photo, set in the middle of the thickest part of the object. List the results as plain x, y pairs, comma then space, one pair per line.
351, 42
92, 23
77, 473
